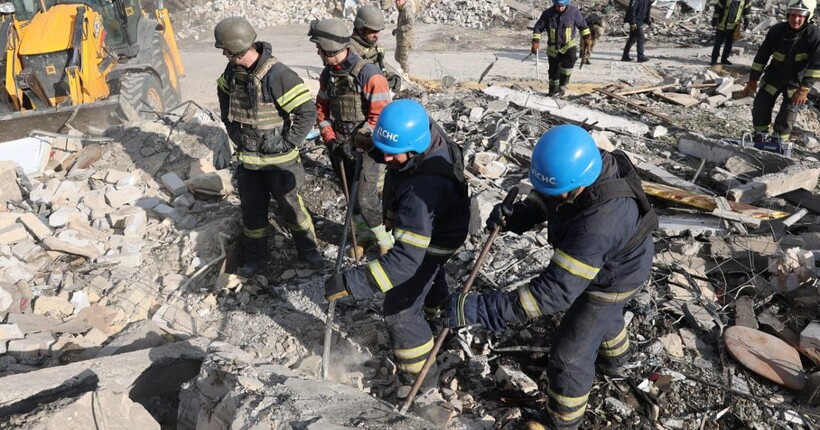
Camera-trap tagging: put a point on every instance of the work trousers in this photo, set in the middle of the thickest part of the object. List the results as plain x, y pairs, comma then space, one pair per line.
405, 41
410, 333
282, 182
560, 67
371, 183
591, 329
764, 104
636, 36
722, 38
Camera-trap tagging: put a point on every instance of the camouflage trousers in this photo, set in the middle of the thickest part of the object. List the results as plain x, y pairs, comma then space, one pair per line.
404, 43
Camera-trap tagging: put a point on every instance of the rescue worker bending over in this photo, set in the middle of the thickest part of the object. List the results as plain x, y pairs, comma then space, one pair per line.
352, 94
427, 197
255, 93
599, 223
561, 22
794, 50
365, 41
726, 20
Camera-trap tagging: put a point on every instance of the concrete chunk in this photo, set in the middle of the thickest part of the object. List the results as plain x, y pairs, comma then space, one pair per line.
53, 305
9, 190
13, 234
115, 409
123, 196
775, 184
36, 226
138, 370
810, 336
55, 244
174, 184
512, 379
61, 216
10, 332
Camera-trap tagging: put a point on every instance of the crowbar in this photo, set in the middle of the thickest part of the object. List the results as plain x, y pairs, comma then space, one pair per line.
331, 309
431, 358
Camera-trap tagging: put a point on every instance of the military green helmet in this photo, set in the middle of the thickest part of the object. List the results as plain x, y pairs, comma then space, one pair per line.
369, 17
331, 35
234, 34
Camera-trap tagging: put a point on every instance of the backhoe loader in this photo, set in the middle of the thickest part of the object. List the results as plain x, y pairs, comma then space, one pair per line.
84, 64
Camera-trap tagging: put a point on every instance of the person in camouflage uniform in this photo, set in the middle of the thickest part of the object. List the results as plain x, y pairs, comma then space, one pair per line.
405, 37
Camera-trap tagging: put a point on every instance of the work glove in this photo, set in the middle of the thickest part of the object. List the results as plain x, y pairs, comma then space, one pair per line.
588, 42
363, 139
751, 88
633, 27
649, 21
274, 144
714, 22
534, 48
800, 96
344, 151
498, 216
335, 287
461, 310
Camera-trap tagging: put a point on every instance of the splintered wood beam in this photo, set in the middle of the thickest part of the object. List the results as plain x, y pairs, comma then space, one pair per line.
633, 104
644, 90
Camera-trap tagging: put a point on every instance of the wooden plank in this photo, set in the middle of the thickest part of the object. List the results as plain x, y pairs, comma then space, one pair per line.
633, 104
724, 211
684, 100
644, 90
707, 203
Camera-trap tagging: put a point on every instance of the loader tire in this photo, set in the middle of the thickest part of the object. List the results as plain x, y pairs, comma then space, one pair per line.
143, 91
170, 96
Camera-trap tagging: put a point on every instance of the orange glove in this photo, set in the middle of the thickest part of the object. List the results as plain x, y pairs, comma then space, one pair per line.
534, 48
750, 88
800, 95
587, 42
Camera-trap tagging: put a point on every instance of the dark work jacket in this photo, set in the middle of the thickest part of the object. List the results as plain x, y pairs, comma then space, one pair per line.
561, 28
638, 12
795, 57
432, 215
585, 245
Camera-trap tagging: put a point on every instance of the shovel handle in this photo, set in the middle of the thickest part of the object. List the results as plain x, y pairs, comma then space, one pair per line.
431, 358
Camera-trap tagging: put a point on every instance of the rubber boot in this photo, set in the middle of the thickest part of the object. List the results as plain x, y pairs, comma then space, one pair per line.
256, 256
553, 88
306, 246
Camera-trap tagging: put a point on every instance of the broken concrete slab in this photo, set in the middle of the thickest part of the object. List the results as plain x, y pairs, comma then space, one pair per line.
512, 379
115, 409
13, 234
775, 184
9, 190
35, 225
568, 111
144, 374
715, 151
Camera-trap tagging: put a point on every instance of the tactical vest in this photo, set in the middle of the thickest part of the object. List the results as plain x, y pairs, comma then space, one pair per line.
375, 55
248, 102
628, 185
346, 107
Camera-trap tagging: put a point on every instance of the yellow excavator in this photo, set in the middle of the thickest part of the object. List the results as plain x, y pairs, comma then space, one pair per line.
84, 64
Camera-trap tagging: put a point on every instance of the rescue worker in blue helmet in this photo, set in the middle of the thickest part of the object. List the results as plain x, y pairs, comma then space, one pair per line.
428, 211
599, 223
562, 22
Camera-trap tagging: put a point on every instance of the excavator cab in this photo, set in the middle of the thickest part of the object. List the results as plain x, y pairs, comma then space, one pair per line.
75, 55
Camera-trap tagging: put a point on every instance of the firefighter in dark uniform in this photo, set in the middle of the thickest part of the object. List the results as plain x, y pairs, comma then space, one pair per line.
255, 93
637, 14
562, 22
365, 42
599, 223
352, 94
726, 19
794, 50
430, 216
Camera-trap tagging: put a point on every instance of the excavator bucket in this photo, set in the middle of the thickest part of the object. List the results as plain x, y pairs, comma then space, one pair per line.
89, 118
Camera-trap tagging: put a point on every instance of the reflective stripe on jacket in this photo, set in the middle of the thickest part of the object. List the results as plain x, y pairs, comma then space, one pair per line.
561, 28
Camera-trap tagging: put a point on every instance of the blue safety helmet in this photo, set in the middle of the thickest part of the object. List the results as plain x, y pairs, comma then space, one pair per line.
564, 159
403, 126
561, 2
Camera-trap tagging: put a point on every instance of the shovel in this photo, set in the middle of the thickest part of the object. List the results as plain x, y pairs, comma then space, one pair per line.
331, 310
431, 358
